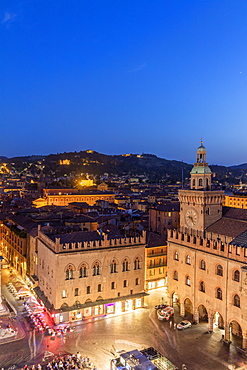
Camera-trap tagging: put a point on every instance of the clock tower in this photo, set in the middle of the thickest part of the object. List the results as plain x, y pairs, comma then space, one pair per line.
200, 206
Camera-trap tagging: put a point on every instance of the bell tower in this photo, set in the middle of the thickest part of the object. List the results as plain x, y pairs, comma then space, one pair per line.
200, 176
200, 206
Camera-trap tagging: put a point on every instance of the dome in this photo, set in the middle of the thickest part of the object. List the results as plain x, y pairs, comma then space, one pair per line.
201, 148
201, 170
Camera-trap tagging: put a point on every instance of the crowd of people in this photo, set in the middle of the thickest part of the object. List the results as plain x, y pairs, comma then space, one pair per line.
67, 362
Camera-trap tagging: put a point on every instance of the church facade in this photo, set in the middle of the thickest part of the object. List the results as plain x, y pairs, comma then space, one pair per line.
207, 257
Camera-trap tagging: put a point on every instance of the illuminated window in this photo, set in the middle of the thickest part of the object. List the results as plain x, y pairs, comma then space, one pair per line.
64, 293
83, 271
203, 265
125, 265
176, 256
188, 260
187, 281
96, 269
113, 267
69, 273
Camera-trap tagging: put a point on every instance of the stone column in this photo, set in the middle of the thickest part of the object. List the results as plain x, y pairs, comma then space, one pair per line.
170, 300
227, 333
196, 316
210, 323
244, 342
182, 310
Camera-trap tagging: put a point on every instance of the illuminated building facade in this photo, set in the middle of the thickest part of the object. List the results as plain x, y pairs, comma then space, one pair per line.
207, 260
15, 240
236, 201
156, 262
89, 274
163, 217
62, 197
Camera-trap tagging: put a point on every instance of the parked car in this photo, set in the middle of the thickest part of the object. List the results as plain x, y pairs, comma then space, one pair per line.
184, 325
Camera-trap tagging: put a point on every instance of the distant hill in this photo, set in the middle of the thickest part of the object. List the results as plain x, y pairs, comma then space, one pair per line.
89, 161
242, 166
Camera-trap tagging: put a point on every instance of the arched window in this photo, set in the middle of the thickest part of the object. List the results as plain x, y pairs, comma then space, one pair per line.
113, 266
137, 263
176, 256
83, 271
236, 301
200, 182
202, 286
193, 182
96, 270
219, 270
69, 272
187, 281
188, 260
175, 275
137, 281
125, 265
219, 293
203, 265
236, 275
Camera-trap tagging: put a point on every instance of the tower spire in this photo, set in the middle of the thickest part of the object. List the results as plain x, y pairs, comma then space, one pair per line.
201, 174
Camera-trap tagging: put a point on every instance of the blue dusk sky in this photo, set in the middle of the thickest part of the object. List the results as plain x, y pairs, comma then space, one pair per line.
124, 76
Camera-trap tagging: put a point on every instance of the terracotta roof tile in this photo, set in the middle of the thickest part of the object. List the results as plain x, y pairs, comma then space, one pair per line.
155, 240
229, 227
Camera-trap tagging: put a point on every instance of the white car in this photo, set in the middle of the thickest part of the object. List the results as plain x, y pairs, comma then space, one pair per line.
184, 325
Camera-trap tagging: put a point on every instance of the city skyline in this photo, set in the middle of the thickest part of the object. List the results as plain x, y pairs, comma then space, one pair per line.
124, 77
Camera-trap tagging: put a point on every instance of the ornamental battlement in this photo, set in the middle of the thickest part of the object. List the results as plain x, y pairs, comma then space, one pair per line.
101, 242
208, 242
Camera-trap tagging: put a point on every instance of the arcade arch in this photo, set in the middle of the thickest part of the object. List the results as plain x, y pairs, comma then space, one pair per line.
175, 299
188, 306
203, 313
218, 320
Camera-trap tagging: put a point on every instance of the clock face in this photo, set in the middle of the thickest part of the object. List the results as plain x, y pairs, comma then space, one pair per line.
191, 217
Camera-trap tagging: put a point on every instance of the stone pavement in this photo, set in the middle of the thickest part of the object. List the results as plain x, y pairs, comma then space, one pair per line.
10, 328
